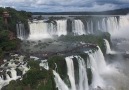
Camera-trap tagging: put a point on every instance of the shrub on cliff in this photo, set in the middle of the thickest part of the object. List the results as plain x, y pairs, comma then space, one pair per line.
15, 17
58, 63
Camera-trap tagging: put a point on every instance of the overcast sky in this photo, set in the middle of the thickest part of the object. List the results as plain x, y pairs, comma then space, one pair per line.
64, 5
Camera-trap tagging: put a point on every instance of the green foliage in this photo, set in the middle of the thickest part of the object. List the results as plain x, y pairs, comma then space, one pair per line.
48, 83
1, 53
34, 64
94, 39
32, 76
34, 79
15, 17
58, 61
6, 44
14, 85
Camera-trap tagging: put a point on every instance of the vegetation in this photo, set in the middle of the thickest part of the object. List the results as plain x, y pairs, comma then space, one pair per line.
13, 19
36, 78
58, 61
94, 39
7, 42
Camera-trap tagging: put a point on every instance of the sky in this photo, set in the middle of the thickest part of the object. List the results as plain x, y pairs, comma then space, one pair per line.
64, 5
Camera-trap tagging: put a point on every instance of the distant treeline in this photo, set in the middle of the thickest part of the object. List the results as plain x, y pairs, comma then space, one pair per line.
110, 12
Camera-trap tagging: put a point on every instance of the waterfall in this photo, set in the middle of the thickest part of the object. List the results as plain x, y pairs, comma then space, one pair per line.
20, 31
41, 29
52, 29
59, 82
70, 72
108, 48
13, 73
44, 64
38, 30
99, 58
61, 27
92, 27
78, 27
98, 67
83, 80
97, 80
95, 61
122, 32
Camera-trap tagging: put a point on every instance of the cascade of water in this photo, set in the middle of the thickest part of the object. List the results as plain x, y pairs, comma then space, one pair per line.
20, 31
61, 27
104, 25
70, 72
83, 80
41, 29
99, 27
96, 80
98, 66
112, 24
59, 82
13, 73
38, 30
44, 64
7, 77
98, 55
78, 27
91, 27
52, 30
87, 25
123, 26
108, 48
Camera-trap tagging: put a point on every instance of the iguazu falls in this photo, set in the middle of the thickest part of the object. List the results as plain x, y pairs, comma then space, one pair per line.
52, 45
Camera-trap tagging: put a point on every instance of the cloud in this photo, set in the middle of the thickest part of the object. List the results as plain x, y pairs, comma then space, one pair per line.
65, 5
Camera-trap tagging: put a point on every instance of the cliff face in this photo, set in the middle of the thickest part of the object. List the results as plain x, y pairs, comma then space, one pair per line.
8, 43
11, 36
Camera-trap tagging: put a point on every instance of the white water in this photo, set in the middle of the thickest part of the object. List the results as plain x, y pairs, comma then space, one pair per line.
44, 64
10, 66
83, 80
97, 79
38, 30
59, 82
61, 27
97, 65
100, 60
70, 72
20, 31
78, 27
108, 48
123, 31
